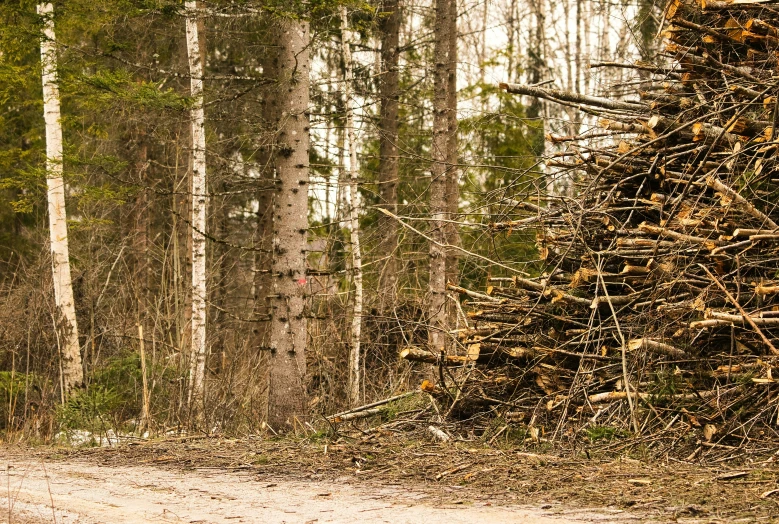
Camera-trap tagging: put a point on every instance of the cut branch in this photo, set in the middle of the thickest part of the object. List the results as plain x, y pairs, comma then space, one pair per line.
556, 95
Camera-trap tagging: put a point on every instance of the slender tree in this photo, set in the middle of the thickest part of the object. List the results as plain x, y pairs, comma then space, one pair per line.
139, 229
513, 40
261, 279
286, 393
199, 207
452, 171
67, 328
354, 214
535, 110
647, 24
389, 92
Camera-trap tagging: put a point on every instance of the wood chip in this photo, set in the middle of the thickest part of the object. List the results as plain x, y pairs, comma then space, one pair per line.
452, 470
640, 482
732, 476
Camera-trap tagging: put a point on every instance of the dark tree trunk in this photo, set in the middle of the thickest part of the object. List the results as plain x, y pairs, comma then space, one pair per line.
439, 209
388, 151
452, 171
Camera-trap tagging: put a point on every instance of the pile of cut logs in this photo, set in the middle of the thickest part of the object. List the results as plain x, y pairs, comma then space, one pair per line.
657, 307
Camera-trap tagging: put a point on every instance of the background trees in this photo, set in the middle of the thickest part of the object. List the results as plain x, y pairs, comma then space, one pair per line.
251, 270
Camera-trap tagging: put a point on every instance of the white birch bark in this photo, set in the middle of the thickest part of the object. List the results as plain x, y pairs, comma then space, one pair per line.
354, 223
197, 360
67, 329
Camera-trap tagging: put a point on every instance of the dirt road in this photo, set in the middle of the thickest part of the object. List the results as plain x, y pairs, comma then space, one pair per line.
36, 491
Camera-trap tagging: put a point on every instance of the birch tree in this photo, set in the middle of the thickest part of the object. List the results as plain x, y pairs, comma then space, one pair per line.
66, 326
354, 215
286, 391
199, 206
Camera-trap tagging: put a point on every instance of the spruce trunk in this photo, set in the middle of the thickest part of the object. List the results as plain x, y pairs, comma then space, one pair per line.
286, 393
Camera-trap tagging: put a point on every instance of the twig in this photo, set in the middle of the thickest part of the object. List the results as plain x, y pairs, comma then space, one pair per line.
449, 246
342, 414
741, 309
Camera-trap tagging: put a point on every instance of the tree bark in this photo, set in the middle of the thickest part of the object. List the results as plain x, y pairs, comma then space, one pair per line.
389, 91
262, 280
139, 229
535, 108
437, 317
578, 51
287, 394
198, 348
67, 328
511, 33
354, 216
452, 171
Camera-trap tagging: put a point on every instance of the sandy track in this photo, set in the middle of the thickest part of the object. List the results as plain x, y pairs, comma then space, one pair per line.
79, 492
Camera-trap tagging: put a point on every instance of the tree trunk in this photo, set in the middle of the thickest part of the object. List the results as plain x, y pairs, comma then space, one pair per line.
578, 52
287, 394
67, 329
535, 109
139, 229
354, 216
220, 274
389, 91
605, 44
437, 318
452, 171
511, 30
262, 281
197, 360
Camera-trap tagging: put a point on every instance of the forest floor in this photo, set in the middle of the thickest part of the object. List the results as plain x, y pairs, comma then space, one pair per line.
374, 480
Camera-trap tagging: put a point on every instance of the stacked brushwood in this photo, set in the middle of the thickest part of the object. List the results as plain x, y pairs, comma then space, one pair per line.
658, 304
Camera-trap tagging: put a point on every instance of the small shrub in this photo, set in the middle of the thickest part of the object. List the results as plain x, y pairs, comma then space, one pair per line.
90, 409
12, 395
112, 397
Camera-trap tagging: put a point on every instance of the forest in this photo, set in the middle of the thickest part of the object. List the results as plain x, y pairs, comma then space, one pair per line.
234, 215
509, 220
472, 260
